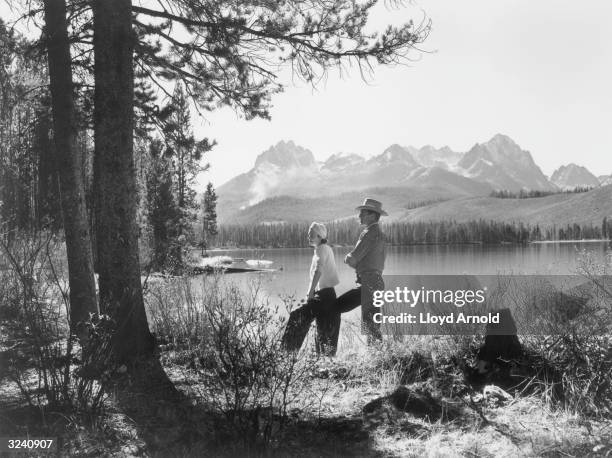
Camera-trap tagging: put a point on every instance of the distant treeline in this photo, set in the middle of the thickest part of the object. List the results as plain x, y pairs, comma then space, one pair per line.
528, 194
423, 203
285, 235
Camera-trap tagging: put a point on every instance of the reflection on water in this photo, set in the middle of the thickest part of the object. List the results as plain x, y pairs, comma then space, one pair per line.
549, 258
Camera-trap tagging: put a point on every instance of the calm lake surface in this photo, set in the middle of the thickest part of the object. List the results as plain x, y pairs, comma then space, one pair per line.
544, 258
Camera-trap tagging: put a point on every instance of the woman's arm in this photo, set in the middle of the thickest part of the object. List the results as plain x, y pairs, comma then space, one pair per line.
317, 261
314, 282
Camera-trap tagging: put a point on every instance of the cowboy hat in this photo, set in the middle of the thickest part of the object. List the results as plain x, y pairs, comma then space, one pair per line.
372, 205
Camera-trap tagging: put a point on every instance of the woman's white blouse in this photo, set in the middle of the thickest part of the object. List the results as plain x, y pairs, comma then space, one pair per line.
323, 259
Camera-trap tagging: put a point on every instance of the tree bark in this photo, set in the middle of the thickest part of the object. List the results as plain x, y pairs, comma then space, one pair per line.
78, 238
115, 191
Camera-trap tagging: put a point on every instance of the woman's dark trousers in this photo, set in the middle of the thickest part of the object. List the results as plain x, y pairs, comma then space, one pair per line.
321, 309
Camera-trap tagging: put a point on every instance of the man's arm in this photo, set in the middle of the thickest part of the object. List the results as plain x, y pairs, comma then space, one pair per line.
364, 244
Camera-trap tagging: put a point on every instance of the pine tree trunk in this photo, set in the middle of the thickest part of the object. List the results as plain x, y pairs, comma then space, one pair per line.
115, 190
78, 241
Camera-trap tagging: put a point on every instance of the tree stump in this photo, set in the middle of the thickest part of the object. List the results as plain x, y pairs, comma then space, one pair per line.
501, 344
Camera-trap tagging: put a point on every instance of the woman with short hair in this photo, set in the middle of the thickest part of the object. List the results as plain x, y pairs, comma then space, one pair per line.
321, 297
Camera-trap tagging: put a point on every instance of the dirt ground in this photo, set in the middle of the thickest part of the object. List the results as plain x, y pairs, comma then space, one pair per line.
335, 425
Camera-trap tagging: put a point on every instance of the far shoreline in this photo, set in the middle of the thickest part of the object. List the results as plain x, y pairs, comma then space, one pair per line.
213, 250
573, 241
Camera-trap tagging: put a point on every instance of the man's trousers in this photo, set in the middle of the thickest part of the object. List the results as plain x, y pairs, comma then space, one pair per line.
364, 296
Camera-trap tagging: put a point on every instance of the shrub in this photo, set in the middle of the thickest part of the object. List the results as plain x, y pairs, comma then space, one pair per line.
568, 344
572, 370
41, 356
231, 339
175, 310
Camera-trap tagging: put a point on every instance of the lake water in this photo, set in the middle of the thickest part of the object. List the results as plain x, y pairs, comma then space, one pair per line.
544, 259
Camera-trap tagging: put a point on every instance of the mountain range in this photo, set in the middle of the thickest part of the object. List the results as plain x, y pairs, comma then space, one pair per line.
286, 183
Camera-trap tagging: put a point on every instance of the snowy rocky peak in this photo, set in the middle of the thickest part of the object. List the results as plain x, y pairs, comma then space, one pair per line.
342, 161
503, 164
396, 154
430, 156
501, 150
286, 155
504, 150
478, 153
571, 176
502, 141
605, 179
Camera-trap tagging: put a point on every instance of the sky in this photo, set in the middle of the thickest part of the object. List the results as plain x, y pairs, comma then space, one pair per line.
536, 70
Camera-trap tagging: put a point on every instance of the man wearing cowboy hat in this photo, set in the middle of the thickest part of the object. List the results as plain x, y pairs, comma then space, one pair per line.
368, 260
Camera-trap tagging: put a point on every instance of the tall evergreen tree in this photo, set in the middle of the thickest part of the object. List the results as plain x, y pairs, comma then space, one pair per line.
26, 162
162, 211
83, 300
115, 180
185, 154
209, 216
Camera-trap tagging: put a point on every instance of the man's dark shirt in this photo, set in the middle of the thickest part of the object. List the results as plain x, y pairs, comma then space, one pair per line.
368, 256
